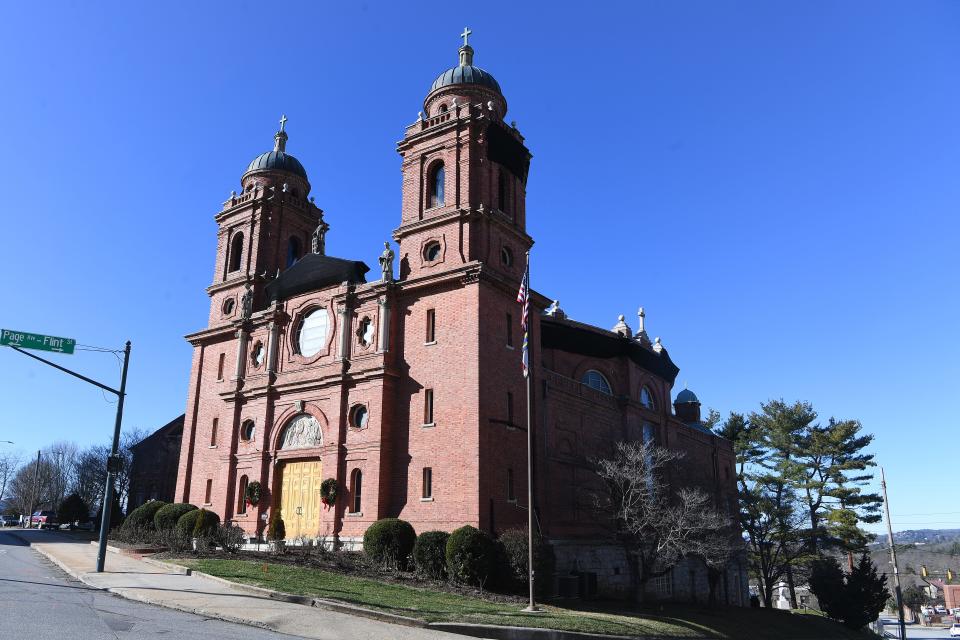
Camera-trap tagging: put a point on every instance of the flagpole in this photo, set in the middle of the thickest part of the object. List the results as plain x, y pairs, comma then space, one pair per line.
532, 607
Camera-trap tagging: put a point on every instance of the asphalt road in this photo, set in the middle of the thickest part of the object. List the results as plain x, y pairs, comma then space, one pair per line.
38, 601
916, 631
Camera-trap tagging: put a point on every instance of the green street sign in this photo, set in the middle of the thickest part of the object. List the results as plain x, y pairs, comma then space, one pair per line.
25, 340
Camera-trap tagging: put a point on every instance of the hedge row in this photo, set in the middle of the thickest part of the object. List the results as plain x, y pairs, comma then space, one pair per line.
467, 555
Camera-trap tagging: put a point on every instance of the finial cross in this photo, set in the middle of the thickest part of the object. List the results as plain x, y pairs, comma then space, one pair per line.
466, 34
283, 121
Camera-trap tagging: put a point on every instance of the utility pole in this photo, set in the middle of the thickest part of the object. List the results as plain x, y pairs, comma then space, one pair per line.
893, 557
33, 496
112, 465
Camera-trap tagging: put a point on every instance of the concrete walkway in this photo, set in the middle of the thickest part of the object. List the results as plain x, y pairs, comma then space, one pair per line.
133, 578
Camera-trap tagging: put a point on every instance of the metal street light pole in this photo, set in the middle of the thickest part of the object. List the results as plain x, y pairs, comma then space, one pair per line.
36, 488
112, 463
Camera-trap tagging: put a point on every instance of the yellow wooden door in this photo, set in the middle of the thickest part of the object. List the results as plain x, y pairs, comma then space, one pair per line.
300, 498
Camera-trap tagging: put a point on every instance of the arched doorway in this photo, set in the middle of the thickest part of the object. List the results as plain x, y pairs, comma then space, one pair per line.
300, 478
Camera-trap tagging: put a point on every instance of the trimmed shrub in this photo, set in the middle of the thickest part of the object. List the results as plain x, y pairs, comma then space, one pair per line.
206, 524
389, 541
186, 523
430, 554
168, 515
276, 530
471, 556
231, 537
142, 516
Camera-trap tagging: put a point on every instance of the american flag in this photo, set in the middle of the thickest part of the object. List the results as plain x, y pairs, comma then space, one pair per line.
523, 297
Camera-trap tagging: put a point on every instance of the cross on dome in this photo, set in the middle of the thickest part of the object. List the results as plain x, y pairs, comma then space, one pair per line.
466, 34
283, 121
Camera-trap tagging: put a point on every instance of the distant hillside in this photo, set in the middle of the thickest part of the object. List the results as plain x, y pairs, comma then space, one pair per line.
927, 536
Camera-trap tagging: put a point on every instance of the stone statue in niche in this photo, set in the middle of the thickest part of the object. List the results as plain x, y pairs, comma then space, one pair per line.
246, 303
318, 241
301, 433
386, 262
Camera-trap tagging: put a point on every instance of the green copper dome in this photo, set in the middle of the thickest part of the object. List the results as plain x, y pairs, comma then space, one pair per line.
278, 159
686, 396
465, 72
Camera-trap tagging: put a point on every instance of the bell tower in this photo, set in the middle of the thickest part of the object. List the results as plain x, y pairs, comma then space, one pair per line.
262, 231
464, 178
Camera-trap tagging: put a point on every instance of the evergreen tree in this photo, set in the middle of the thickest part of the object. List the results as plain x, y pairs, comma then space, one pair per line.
826, 582
73, 509
865, 594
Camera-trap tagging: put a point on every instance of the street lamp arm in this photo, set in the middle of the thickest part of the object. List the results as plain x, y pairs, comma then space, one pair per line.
65, 370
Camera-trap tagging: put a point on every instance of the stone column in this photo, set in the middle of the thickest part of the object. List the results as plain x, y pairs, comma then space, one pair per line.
244, 337
344, 343
383, 331
272, 346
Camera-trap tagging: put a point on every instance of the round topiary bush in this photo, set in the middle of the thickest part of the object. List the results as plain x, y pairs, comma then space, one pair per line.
167, 516
206, 524
430, 554
142, 516
389, 541
187, 522
471, 556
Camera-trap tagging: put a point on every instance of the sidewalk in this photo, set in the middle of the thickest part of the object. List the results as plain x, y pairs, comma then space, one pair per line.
136, 579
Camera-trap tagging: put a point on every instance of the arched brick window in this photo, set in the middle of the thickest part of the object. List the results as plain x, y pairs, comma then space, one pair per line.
437, 181
646, 398
236, 252
294, 251
596, 380
356, 486
242, 494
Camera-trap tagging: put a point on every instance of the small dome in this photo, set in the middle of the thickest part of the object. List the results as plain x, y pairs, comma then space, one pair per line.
465, 74
277, 161
686, 397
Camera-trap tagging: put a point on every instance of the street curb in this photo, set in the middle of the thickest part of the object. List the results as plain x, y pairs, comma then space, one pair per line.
175, 568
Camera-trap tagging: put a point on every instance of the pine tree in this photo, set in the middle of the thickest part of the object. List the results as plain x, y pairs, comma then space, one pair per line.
865, 594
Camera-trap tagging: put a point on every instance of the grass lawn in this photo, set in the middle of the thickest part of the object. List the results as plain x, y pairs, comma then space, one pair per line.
676, 621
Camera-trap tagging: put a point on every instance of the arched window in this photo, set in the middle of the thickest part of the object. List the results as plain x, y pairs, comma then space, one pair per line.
236, 252
294, 252
501, 191
595, 380
356, 483
247, 430
437, 180
646, 398
443, 108
242, 495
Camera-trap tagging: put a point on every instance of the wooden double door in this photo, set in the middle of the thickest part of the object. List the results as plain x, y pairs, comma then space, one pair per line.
300, 498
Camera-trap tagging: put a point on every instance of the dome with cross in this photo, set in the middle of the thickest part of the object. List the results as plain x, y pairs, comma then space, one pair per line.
278, 159
465, 72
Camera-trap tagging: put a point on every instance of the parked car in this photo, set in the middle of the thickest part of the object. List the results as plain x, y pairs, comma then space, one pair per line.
955, 630
9, 521
44, 519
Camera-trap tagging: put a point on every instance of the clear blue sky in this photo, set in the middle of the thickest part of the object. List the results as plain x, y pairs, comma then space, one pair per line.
777, 183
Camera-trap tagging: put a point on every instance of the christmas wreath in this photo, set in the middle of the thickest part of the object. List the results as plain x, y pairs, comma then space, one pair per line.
252, 494
328, 492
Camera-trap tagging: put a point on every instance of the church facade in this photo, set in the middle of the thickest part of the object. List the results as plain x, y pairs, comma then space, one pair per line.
406, 387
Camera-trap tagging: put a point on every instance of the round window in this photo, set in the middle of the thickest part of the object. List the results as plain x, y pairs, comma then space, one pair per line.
431, 252
359, 416
228, 305
247, 430
506, 256
314, 329
258, 354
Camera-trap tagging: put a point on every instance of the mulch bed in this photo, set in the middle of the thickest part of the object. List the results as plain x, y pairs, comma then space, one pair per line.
348, 563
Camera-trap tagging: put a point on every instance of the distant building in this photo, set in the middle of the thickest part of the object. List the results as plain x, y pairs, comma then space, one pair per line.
156, 459
951, 595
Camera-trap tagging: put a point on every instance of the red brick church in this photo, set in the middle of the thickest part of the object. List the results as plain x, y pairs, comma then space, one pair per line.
406, 387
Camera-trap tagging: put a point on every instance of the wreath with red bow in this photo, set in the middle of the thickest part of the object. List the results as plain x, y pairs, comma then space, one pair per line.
328, 492
252, 495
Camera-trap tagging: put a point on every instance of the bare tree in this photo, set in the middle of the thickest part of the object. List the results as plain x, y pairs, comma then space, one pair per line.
658, 526
9, 462
59, 464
